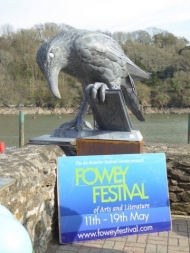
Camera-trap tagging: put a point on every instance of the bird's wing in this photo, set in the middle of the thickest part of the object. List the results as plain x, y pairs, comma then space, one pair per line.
128, 66
101, 50
103, 55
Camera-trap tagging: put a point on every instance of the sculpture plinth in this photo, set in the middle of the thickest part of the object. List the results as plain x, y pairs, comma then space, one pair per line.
110, 143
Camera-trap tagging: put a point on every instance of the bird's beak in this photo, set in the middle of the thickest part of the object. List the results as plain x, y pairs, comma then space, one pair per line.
52, 80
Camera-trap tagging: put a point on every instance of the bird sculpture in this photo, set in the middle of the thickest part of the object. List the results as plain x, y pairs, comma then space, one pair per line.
96, 61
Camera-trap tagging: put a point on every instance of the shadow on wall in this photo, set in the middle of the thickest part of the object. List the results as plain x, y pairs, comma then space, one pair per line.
181, 226
71, 218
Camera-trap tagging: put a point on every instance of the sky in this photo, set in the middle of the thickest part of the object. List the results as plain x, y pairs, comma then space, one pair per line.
105, 15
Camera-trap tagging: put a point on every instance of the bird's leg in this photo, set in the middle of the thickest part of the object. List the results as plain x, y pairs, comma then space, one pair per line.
78, 122
97, 91
81, 122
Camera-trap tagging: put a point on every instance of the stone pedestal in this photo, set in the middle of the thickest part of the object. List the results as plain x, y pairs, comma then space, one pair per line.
108, 143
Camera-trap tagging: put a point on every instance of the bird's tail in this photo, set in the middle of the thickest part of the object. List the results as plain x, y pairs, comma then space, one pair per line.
130, 95
136, 72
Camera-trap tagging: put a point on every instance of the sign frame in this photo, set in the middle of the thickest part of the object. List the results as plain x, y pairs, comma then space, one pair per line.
108, 196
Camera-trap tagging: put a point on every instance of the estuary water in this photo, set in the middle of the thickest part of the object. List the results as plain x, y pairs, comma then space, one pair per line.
157, 128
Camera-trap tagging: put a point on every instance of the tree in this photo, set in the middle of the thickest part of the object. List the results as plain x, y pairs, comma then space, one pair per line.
6, 31
181, 87
120, 37
165, 39
141, 36
143, 94
164, 56
46, 31
184, 59
161, 100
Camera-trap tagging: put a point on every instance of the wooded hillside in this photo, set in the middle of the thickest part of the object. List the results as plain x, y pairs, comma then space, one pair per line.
159, 52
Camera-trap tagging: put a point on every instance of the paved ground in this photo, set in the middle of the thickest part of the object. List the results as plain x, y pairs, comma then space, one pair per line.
178, 240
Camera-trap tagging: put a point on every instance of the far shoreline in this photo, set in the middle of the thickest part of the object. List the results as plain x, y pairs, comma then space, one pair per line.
29, 110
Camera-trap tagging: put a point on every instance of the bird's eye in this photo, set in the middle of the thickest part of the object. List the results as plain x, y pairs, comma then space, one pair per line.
51, 55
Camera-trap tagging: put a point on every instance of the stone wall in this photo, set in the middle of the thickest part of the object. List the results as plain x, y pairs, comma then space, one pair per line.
29, 190
178, 171
31, 197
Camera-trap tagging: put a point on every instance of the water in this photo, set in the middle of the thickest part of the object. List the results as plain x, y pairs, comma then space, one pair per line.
157, 128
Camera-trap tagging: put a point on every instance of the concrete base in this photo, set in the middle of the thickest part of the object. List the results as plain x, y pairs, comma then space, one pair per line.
71, 136
48, 140
95, 142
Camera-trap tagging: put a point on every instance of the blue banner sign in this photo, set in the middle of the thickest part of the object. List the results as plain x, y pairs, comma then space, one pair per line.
111, 196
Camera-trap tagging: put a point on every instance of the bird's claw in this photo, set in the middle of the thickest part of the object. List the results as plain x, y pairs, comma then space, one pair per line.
97, 91
76, 124
67, 125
